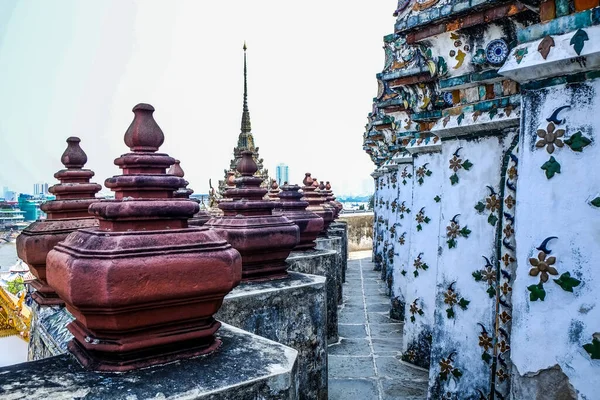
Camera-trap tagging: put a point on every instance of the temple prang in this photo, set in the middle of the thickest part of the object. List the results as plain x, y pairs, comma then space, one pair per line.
245, 142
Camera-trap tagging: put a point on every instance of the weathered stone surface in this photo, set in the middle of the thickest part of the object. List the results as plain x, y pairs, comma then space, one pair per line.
546, 384
324, 263
246, 366
360, 231
340, 229
289, 311
334, 243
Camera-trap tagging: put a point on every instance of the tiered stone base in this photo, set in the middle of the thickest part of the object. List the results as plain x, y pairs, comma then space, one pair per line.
246, 366
289, 311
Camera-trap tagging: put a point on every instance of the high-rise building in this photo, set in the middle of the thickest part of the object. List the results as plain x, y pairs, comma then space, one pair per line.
40, 189
282, 174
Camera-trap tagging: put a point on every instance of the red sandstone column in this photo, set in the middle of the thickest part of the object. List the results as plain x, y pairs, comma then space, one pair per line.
264, 240
143, 287
69, 212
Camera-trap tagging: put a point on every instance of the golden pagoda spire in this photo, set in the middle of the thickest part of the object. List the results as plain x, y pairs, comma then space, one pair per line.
246, 127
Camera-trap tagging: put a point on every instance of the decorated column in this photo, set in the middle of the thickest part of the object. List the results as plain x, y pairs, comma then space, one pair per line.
400, 233
422, 222
555, 290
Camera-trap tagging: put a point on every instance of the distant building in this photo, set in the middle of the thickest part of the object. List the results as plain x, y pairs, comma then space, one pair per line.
282, 173
10, 196
29, 207
40, 189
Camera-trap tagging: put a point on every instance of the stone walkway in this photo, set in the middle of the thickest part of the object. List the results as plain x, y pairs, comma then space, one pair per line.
365, 364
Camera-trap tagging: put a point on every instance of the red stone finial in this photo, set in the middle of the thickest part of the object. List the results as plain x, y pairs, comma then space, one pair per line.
316, 201
294, 209
332, 201
176, 169
246, 166
183, 192
74, 156
74, 194
308, 181
144, 134
231, 179
248, 219
274, 191
143, 287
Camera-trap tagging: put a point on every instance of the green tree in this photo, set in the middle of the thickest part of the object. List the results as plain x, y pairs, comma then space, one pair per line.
371, 202
16, 285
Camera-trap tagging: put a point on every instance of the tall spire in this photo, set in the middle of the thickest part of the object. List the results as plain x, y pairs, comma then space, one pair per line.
246, 127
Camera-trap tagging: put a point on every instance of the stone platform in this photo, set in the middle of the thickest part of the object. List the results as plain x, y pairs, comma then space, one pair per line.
324, 263
291, 312
366, 363
245, 367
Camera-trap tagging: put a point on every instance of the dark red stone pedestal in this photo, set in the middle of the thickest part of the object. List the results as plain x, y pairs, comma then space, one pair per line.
264, 240
294, 208
316, 202
69, 212
143, 287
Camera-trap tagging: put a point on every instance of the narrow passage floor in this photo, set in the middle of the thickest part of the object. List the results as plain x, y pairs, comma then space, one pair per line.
365, 364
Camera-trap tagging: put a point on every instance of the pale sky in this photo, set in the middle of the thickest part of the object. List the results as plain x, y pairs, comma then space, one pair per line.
77, 68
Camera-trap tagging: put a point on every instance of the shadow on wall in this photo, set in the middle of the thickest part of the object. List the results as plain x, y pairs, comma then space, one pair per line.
360, 231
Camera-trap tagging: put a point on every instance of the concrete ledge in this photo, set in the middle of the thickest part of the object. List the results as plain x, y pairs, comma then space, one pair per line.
324, 263
291, 312
245, 367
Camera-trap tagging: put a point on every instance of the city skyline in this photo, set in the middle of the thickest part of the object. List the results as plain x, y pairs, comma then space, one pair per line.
68, 73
